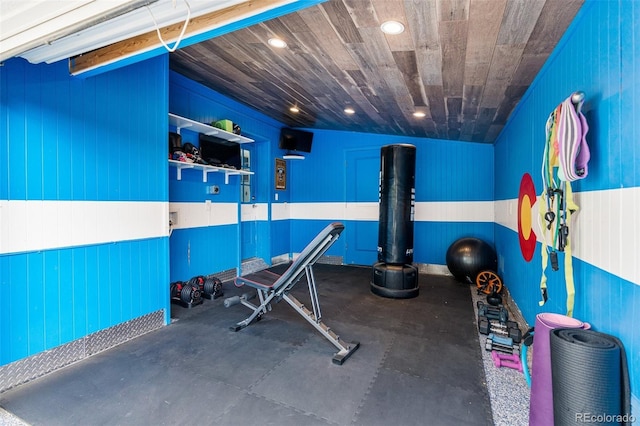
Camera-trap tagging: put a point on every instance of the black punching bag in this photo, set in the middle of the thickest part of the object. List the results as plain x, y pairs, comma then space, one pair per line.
393, 275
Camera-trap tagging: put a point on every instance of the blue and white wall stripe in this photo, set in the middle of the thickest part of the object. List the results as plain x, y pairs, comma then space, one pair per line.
35, 225
203, 214
83, 217
475, 211
613, 246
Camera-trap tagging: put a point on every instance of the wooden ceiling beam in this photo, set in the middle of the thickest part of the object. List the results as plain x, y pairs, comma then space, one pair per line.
149, 41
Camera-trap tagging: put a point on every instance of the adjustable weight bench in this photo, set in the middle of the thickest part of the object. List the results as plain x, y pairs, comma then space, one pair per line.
274, 287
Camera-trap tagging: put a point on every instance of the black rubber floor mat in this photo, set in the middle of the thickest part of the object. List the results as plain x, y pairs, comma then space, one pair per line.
419, 363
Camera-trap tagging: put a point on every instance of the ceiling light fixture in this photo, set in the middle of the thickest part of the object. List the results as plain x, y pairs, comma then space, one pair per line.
290, 156
294, 110
419, 114
392, 27
277, 43
349, 111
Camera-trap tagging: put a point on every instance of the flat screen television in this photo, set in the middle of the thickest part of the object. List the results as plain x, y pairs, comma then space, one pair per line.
295, 140
220, 152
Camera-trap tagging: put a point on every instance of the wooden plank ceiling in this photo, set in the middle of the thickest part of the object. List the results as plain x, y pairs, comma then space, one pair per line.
464, 63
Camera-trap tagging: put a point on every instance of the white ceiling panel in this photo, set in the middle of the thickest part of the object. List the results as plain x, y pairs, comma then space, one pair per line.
49, 31
26, 24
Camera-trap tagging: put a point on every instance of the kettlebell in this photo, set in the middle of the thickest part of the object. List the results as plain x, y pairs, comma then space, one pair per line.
494, 299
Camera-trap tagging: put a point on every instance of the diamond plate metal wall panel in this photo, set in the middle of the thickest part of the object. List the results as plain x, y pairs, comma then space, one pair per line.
255, 264
27, 369
113, 336
24, 370
331, 260
224, 276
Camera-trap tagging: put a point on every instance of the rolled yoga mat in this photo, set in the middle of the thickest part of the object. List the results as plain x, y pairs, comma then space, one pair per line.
590, 378
541, 401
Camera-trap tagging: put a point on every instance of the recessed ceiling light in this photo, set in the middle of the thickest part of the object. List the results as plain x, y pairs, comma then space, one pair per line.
392, 27
349, 111
294, 110
419, 114
276, 42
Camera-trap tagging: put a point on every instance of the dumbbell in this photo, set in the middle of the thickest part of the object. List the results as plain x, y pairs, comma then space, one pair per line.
190, 294
514, 331
484, 326
509, 329
506, 360
175, 288
197, 282
212, 288
501, 343
494, 299
500, 340
492, 312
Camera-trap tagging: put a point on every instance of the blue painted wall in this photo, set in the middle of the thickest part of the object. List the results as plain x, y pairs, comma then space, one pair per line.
72, 139
215, 248
600, 55
445, 172
65, 139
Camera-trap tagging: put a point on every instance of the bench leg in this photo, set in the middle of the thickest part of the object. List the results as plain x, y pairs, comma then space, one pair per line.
345, 349
258, 310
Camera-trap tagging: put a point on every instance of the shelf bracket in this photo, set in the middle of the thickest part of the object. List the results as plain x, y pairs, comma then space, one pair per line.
205, 175
179, 171
228, 173
184, 126
206, 169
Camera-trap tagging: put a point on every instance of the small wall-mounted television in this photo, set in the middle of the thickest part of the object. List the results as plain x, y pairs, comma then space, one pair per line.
220, 152
295, 140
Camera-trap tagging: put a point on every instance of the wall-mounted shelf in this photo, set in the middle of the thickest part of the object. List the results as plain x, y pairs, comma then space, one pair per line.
194, 126
180, 165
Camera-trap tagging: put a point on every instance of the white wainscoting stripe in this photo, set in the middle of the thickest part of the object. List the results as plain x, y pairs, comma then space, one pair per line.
604, 232
40, 225
317, 211
362, 211
256, 211
280, 211
454, 211
473, 211
334, 211
200, 215
506, 214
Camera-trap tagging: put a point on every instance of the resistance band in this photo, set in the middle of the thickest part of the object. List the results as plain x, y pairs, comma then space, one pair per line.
565, 159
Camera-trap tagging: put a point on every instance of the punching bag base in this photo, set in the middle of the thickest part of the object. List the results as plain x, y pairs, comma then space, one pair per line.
394, 281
